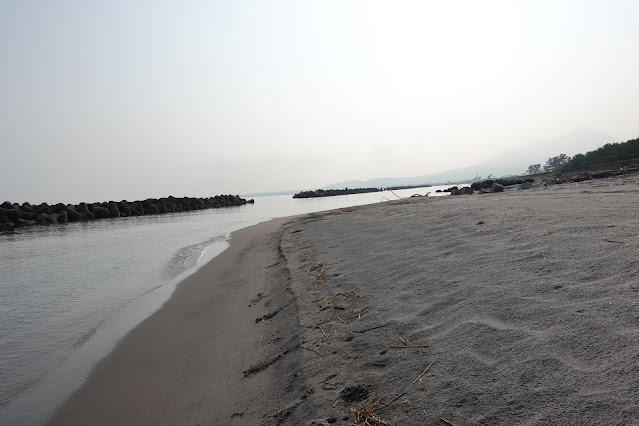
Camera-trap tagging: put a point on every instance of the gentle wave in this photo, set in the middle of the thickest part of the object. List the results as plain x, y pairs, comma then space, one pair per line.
189, 256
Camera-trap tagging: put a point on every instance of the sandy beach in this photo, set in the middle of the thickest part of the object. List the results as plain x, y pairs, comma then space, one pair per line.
495, 309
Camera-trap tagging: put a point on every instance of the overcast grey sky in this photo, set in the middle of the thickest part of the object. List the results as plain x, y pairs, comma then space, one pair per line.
132, 99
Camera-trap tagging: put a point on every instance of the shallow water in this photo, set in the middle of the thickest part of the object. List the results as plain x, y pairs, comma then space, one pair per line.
69, 292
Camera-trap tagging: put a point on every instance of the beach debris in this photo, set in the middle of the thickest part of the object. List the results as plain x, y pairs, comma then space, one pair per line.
448, 422
259, 297
409, 386
314, 266
324, 302
330, 376
352, 295
324, 335
321, 275
371, 328
407, 344
341, 307
326, 385
366, 415
359, 313
616, 242
280, 415
268, 316
263, 365
322, 322
342, 321
312, 350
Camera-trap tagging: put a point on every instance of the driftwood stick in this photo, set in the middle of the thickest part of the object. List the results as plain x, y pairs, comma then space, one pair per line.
312, 350
342, 321
411, 385
409, 346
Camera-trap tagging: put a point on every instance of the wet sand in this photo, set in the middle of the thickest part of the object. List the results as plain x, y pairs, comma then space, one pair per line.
525, 303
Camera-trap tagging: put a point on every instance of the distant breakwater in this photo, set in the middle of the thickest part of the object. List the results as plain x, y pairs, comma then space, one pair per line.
333, 192
14, 215
349, 191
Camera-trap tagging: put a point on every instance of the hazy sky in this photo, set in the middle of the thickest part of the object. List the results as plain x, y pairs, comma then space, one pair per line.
132, 99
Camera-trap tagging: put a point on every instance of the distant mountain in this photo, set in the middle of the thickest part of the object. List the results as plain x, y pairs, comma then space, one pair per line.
512, 162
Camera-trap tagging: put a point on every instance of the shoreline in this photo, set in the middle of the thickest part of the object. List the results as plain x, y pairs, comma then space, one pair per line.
136, 354
520, 300
39, 401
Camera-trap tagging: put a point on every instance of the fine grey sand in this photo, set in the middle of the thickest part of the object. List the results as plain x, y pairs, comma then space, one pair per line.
523, 304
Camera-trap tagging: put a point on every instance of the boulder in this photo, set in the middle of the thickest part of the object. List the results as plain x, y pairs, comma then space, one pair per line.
42, 218
5, 219
26, 207
63, 217
124, 208
100, 212
14, 214
461, 191
69, 212
496, 187
113, 210
85, 213
43, 208
135, 209
525, 185
7, 205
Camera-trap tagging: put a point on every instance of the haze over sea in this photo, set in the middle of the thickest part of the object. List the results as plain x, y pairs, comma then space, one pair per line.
69, 292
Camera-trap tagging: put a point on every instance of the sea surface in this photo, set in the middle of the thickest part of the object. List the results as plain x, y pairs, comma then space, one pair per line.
69, 292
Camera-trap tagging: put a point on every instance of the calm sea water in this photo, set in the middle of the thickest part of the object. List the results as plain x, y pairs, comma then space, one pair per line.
69, 292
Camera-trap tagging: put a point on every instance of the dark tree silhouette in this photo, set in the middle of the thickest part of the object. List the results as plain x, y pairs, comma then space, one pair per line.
606, 154
556, 163
533, 169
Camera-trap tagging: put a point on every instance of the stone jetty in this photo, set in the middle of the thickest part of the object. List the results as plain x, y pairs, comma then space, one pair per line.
334, 192
14, 215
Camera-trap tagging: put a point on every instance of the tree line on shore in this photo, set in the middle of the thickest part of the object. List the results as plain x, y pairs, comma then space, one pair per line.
608, 153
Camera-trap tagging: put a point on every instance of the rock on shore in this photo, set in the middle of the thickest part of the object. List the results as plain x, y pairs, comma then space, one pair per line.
14, 214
